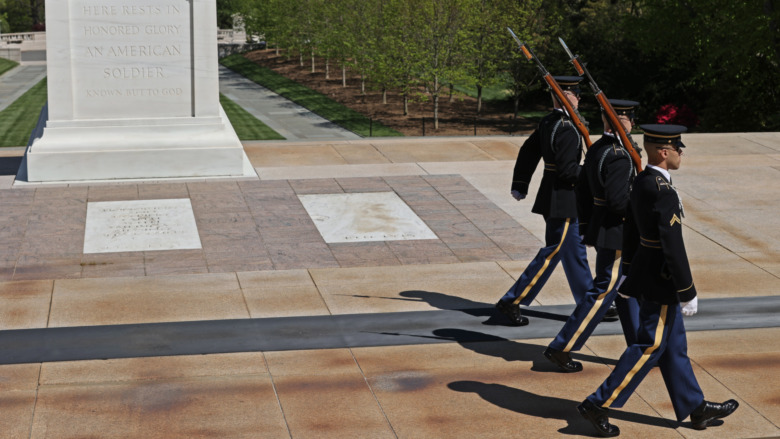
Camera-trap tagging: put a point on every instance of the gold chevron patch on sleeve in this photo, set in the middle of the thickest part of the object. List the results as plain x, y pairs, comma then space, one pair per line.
675, 219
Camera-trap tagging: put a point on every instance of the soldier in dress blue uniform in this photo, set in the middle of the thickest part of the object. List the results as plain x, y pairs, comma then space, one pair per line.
603, 194
558, 142
660, 277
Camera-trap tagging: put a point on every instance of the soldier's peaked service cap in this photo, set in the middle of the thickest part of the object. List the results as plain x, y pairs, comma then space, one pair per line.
623, 107
571, 83
664, 134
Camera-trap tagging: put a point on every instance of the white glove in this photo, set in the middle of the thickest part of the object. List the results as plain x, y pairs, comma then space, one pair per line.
690, 308
517, 195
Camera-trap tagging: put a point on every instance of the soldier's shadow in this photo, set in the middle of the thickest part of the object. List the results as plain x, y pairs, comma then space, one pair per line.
470, 307
509, 350
500, 347
548, 407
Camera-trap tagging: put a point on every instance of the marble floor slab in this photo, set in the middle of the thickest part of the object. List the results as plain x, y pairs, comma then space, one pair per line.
140, 225
361, 217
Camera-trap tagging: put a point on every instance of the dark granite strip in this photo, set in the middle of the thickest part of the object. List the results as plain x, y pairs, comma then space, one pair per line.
339, 331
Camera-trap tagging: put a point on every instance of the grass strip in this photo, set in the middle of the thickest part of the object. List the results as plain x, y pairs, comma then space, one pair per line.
246, 125
18, 120
308, 98
6, 65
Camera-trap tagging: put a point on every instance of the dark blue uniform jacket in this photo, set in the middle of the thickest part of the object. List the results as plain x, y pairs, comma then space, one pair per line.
654, 254
557, 141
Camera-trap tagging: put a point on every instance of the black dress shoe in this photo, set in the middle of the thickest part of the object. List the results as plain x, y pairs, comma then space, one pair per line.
598, 418
710, 411
512, 312
563, 360
611, 315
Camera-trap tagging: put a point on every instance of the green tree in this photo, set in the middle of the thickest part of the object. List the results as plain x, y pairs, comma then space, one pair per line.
23, 15
439, 29
485, 44
538, 24
720, 57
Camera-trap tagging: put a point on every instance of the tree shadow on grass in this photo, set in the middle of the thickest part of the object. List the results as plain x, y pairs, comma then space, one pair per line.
548, 407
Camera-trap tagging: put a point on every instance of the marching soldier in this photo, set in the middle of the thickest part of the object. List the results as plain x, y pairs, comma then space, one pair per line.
558, 142
603, 193
660, 277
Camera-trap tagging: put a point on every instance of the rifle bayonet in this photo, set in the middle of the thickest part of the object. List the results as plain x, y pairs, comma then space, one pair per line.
624, 137
573, 114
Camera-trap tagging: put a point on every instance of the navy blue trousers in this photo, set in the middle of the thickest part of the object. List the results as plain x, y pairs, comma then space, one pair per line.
589, 312
661, 340
562, 244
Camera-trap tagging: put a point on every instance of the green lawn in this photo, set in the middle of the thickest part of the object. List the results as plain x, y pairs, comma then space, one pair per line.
19, 119
499, 92
6, 65
308, 98
247, 126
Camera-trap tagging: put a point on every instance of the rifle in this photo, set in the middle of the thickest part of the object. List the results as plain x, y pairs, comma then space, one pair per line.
570, 111
625, 138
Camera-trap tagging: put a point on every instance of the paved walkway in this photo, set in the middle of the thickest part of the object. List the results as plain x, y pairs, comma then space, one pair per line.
285, 117
17, 81
269, 331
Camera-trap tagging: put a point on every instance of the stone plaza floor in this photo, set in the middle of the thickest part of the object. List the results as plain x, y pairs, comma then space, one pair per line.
268, 330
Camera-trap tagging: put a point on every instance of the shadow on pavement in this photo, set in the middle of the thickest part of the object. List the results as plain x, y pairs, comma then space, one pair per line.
527, 403
510, 350
10, 165
477, 309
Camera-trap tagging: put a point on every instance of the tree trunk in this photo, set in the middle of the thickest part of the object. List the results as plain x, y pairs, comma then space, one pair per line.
343, 76
384, 95
452, 87
479, 99
406, 104
300, 58
327, 68
312, 60
362, 84
277, 50
435, 102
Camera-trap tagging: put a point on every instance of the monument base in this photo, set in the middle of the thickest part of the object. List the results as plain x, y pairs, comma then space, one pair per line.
133, 149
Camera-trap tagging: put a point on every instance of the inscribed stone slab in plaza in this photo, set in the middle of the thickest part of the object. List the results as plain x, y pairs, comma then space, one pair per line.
376, 216
144, 225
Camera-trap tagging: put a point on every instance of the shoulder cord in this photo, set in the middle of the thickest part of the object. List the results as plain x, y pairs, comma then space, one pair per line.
555, 131
631, 171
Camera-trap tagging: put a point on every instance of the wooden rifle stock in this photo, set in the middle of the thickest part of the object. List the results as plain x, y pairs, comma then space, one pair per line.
612, 118
573, 114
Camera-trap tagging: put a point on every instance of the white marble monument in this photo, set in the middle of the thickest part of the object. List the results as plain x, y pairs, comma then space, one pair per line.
133, 92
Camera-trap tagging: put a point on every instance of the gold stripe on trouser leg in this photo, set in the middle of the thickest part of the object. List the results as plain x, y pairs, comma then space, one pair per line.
596, 306
659, 334
545, 265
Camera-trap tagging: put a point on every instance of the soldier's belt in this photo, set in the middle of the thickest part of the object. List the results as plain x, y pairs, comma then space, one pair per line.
650, 243
549, 167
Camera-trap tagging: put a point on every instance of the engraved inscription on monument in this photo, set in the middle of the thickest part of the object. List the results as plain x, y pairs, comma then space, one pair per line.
133, 92
134, 58
143, 225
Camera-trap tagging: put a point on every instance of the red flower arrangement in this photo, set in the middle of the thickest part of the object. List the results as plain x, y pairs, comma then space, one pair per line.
676, 115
